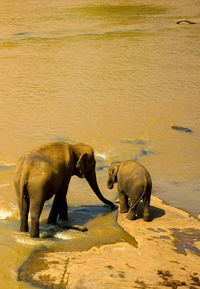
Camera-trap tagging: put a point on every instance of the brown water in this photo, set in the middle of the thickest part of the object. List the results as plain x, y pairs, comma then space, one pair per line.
116, 76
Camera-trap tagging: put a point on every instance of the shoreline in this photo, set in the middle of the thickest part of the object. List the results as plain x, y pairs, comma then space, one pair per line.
167, 256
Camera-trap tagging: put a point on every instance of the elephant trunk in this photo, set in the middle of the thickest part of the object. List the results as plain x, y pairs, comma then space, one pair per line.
91, 178
110, 183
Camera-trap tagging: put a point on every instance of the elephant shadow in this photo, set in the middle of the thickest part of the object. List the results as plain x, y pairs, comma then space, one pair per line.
155, 212
78, 219
83, 214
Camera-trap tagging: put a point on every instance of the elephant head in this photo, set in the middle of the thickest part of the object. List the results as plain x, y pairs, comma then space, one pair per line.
112, 178
85, 168
84, 160
81, 166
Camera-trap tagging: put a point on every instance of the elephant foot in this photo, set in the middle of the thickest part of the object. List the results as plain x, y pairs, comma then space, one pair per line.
63, 218
146, 218
34, 231
123, 211
52, 223
146, 215
52, 220
34, 236
24, 229
131, 215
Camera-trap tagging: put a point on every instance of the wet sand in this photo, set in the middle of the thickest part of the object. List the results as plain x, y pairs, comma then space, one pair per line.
161, 259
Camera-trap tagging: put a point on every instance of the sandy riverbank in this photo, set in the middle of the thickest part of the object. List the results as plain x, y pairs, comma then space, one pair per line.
167, 256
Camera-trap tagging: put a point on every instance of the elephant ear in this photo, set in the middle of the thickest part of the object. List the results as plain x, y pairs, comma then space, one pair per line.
114, 168
81, 164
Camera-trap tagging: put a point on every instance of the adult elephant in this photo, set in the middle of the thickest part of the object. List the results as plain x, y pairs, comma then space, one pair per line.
46, 171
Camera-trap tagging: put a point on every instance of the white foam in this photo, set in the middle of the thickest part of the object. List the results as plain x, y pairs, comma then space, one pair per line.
101, 155
63, 236
25, 239
29, 241
4, 185
5, 164
4, 214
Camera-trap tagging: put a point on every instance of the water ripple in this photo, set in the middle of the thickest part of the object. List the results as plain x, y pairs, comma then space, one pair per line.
63, 34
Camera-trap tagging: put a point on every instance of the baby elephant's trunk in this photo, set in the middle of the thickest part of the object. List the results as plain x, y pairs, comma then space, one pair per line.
110, 183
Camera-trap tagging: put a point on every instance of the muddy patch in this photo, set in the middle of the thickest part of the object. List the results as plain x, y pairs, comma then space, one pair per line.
185, 240
169, 281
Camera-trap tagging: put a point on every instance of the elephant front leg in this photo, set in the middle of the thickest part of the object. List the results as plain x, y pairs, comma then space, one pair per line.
59, 206
63, 212
123, 202
52, 219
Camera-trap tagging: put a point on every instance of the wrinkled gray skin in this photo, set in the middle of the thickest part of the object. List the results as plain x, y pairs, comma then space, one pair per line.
134, 183
46, 171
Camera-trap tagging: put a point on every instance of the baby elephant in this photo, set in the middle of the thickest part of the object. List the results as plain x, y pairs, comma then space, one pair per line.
134, 182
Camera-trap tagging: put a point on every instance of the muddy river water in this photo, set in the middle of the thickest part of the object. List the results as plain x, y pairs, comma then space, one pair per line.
114, 74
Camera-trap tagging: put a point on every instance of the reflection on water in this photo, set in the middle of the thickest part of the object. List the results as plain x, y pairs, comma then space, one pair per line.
115, 76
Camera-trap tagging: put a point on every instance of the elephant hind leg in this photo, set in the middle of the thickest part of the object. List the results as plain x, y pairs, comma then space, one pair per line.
24, 210
132, 213
146, 213
36, 206
146, 201
135, 196
35, 210
133, 208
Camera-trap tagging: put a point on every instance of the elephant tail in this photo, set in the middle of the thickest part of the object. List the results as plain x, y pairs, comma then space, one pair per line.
22, 186
146, 190
142, 195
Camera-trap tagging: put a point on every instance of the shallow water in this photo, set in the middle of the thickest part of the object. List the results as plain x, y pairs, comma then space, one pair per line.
115, 76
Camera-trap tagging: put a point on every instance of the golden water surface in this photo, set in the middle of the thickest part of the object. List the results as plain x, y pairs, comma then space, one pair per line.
113, 74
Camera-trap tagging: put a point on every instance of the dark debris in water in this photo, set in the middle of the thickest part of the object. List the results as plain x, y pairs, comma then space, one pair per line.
21, 33
145, 152
130, 141
185, 21
176, 183
183, 129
